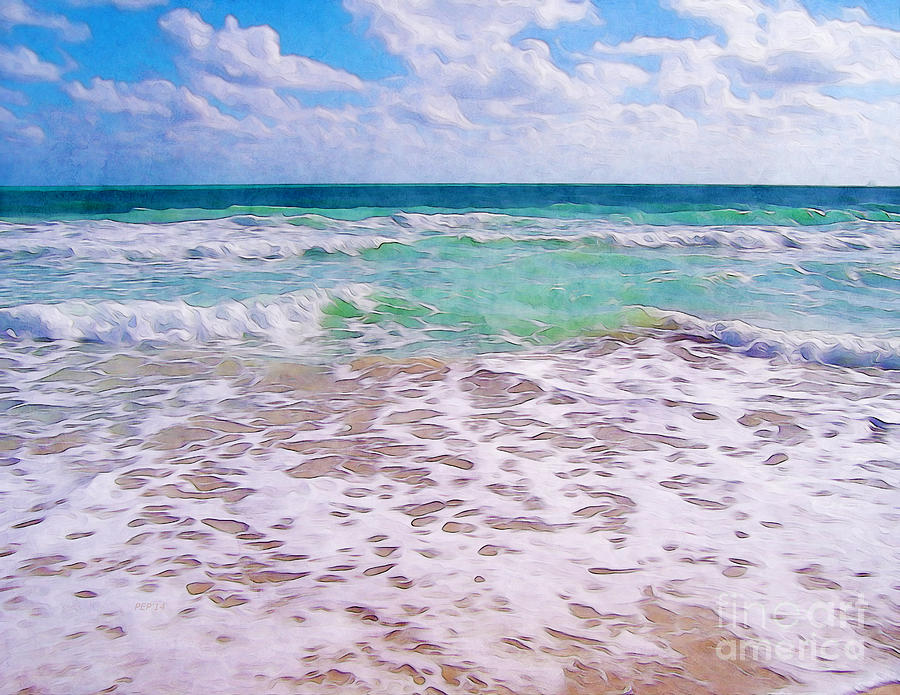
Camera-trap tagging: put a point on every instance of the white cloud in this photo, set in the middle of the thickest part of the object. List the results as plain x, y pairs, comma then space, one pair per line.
206, 115
455, 27
17, 12
784, 46
767, 77
481, 103
469, 49
856, 14
430, 110
16, 129
236, 79
750, 109
21, 63
175, 108
252, 55
112, 98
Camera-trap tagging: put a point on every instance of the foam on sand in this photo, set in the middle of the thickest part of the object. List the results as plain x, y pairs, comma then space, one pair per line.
637, 513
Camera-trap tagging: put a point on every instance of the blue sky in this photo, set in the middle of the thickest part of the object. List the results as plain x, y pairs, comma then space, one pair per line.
282, 91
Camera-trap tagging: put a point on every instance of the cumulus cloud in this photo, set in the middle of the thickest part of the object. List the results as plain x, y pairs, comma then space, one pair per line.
252, 55
774, 48
175, 108
483, 100
112, 98
761, 97
23, 64
469, 50
239, 85
751, 107
17, 12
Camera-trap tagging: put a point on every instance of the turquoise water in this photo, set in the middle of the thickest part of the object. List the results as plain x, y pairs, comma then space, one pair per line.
456, 268
654, 204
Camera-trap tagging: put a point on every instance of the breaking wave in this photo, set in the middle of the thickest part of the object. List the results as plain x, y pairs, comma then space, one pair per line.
284, 319
264, 239
795, 346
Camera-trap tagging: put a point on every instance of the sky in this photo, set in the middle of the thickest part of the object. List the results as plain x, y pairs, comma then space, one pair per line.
103, 92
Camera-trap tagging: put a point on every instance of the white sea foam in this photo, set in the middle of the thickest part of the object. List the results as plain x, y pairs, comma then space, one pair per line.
860, 236
612, 478
286, 319
203, 239
291, 318
250, 238
797, 346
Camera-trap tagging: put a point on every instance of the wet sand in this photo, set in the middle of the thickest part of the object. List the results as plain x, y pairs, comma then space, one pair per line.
660, 515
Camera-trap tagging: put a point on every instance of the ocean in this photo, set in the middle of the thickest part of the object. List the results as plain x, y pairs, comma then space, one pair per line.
520, 439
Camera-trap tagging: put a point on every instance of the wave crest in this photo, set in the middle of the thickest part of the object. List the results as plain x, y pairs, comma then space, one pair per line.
284, 319
245, 238
795, 346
